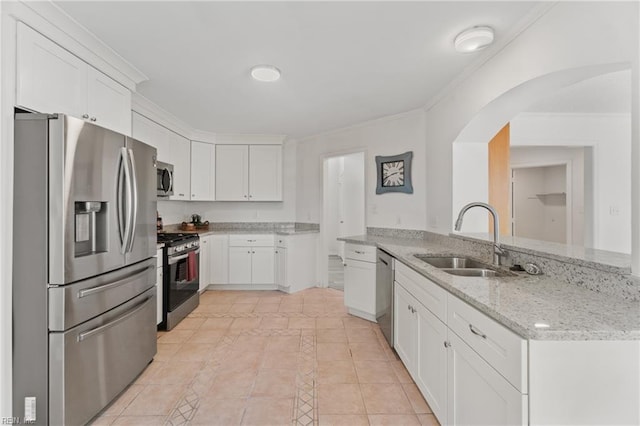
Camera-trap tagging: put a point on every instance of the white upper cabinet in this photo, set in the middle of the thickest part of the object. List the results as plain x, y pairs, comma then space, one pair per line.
248, 172
153, 134
180, 150
50, 79
232, 173
203, 180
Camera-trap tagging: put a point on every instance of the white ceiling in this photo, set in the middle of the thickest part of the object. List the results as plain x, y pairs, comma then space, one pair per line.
342, 62
608, 93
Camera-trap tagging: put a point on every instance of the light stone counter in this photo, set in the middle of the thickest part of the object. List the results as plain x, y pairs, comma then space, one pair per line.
276, 228
520, 302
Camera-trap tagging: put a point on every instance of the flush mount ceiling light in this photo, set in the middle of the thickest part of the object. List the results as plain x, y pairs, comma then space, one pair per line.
473, 39
265, 73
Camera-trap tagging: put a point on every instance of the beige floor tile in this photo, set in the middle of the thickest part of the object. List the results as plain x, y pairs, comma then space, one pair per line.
140, 420
332, 351
190, 324
283, 344
375, 372
290, 307
155, 400
428, 420
268, 411
219, 412
211, 336
146, 375
385, 398
275, 383
239, 361
355, 322
176, 372
302, 322
340, 399
416, 399
250, 344
367, 351
364, 335
393, 419
401, 372
279, 359
176, 336
336, 372
242, 307
247, 299
212, 323
343, 420
329, 323
214, 308
267, 308
274, 323
329, 335
193, 352
102, 421
166, 351
269, 300
232, 384
121, 402
242, 323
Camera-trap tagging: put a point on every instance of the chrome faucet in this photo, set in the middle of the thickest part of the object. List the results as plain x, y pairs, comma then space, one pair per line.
498, 251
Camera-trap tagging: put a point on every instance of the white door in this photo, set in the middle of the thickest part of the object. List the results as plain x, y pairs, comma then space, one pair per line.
239, 265
181, 159
219, 260
108, 102
49, 78
431, 361
232, 173
202, 174
404, 327
477, 394
265, 172
205, 264
262, 265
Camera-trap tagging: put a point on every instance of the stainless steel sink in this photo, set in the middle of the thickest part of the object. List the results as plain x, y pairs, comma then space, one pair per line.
452, 262
479, 272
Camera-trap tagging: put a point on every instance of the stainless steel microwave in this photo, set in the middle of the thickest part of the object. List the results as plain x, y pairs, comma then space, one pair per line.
164, 180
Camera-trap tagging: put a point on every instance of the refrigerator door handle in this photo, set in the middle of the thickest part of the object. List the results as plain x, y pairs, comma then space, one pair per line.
134, 196
129, 201
120, 192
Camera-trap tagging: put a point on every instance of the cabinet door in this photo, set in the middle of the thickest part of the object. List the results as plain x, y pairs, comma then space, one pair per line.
281, 267
219, 259
108, 102
360, 286
159, 278
404, 327
430, 372
262, 265
239, 265
203, 158
265, 172
477, 394
49, 79
181, 159
153, 134
205, 264
231, 173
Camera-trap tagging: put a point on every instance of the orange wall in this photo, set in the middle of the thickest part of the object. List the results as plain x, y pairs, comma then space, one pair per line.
499, 179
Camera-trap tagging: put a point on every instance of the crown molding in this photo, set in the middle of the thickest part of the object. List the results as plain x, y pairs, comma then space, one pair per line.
154, 112
52, 22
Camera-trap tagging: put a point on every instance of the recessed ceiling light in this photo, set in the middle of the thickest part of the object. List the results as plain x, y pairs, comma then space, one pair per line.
473, 39
265, 73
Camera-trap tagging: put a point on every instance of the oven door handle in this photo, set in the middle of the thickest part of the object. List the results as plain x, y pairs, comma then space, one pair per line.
173, 260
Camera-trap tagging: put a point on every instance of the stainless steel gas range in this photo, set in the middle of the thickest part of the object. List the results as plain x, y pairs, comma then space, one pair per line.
181, 281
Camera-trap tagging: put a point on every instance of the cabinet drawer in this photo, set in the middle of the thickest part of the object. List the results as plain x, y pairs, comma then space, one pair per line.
504, 350
251, 240
431, 295
360, 252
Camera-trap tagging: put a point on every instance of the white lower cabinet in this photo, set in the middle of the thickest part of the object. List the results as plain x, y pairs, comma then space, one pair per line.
478, 394
296, 262
205, 262
476, 378
219, 258
251, 259
360, 281
159, 287
281, 268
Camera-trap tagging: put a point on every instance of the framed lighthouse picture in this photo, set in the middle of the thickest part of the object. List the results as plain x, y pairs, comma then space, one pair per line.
394, 173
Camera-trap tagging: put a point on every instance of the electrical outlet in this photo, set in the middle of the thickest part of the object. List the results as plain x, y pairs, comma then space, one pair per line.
614, 210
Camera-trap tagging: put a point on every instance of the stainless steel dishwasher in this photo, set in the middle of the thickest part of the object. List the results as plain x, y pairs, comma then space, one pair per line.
384, 294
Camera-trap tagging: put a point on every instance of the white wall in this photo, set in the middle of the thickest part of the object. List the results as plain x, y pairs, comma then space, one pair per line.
610, 137
470, 183
388, 136
547, 47
178, 211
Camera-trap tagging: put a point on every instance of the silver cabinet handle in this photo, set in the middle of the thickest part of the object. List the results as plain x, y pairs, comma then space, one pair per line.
85, 115
182, 195
93, 290
447, 344
359, 252
383, 261
477, 332
93, 119
116, 321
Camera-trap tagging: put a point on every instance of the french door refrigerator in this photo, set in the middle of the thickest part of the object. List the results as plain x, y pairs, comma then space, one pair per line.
84, 237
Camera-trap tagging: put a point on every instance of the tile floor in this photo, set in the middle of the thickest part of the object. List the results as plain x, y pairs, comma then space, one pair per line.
268, 358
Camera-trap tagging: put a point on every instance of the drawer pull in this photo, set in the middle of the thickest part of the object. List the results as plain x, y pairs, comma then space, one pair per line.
447, 344
477, 332
383, 261
359, 252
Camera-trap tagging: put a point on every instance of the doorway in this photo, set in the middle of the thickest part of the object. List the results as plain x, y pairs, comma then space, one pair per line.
344, 209
541, 206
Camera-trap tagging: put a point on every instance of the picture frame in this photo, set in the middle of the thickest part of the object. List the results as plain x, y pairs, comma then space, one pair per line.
394, 173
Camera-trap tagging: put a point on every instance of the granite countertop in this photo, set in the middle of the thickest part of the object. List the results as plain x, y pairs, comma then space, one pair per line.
249, 228
520, 302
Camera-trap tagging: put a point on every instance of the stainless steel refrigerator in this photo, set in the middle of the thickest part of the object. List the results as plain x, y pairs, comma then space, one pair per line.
84, 237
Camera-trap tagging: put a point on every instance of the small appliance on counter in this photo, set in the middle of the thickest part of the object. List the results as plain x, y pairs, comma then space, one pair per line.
180, 265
